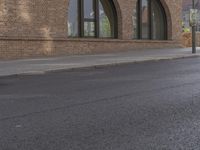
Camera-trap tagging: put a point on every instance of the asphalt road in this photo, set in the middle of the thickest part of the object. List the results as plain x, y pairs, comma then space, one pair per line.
144, 106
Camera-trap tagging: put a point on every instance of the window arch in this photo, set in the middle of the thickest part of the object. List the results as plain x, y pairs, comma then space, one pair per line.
92, 18
149, 20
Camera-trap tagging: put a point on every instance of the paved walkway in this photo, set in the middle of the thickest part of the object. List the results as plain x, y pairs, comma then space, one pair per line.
42, 65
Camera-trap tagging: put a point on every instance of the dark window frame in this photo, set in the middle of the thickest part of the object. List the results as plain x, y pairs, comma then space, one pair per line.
139, 20
96, 21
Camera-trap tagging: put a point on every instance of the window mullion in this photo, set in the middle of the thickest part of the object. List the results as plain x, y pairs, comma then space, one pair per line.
150, 19
140, 19
81, 18
96, 17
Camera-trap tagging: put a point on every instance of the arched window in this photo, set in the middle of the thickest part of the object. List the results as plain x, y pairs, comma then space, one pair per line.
92, 18
149, 20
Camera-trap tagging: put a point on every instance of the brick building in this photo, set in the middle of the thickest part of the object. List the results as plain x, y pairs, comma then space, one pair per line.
55, 27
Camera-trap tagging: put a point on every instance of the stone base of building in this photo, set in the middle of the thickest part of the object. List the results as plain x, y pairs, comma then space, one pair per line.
27, 48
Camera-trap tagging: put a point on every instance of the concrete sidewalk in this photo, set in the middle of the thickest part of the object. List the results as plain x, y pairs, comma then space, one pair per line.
42, 65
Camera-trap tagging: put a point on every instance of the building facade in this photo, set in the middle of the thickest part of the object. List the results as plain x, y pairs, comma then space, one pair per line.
30, 28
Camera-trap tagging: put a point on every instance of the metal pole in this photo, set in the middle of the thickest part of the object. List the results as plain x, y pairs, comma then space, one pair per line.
193, 33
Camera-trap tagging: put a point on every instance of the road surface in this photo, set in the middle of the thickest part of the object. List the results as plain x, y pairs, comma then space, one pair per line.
143, 106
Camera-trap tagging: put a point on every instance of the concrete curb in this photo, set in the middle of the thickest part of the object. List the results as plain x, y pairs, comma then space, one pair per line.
54, 70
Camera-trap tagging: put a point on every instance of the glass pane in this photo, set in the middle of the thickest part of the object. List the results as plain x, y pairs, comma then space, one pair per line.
106, 19
73, 19
145, 19
158, 23
89, 9
89, 28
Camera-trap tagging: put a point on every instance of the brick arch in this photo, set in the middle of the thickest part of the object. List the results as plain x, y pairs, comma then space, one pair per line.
169, 19
119, 18
67, 14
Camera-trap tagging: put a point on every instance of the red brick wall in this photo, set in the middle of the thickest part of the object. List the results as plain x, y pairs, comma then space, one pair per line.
187, 39
31, 28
